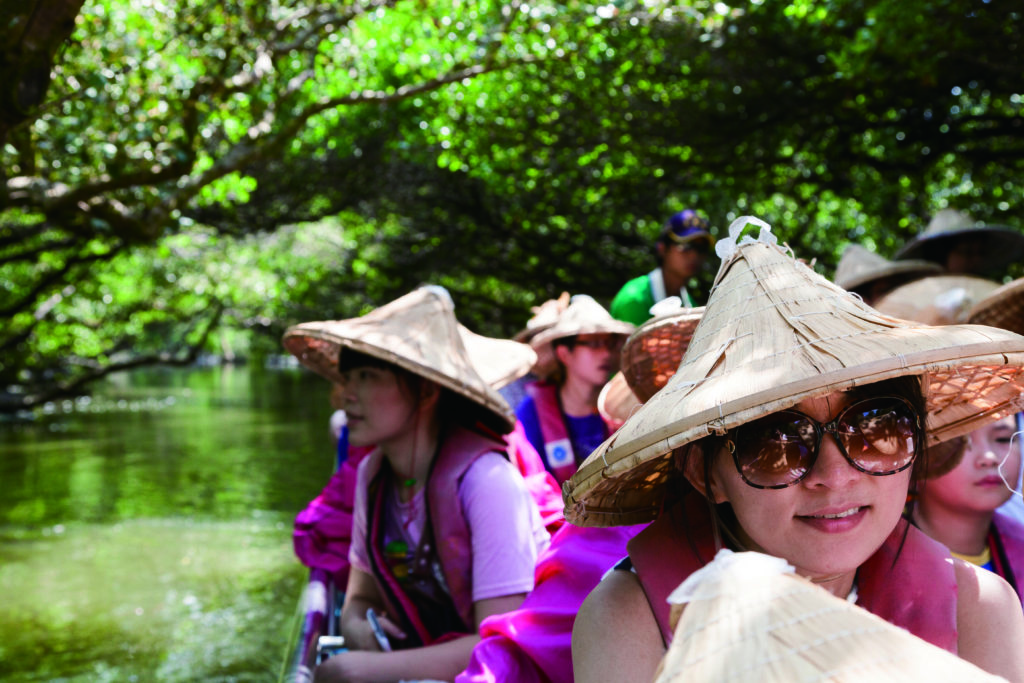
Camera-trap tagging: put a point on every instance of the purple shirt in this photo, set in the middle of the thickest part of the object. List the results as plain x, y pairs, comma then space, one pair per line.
505, 525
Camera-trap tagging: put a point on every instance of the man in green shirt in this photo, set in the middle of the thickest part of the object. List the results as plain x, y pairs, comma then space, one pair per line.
681, 249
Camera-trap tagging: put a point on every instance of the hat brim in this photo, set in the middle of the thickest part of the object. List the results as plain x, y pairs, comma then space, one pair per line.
1005, 246
691, 238
891, 269
773, 334
652, 353
617, 402
617, 483
1003, 308
319, 345
936, 299
498, 361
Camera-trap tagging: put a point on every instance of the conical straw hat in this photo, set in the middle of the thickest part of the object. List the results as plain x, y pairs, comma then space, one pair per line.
1003, 308
748, 618
1003, 245
583, 316
498, 361
649, 357
617, 402
652, 353
859, 266
937, 299
544, 316
774, 333
417, 332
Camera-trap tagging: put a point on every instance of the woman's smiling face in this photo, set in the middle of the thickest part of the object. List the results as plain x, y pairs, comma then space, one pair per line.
827, 524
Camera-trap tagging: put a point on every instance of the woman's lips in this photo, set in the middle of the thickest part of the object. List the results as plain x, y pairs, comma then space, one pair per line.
835, 521
990, 480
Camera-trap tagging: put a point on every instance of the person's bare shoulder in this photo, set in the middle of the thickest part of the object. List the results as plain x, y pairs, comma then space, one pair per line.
615, 637
990, 622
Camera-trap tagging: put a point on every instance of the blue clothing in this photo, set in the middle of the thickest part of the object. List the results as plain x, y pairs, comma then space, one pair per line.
585, 433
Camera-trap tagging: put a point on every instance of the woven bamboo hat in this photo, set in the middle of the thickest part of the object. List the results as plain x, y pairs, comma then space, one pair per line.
498, 361
649, 357
937, 299
774, 333
1000, 244
1003, 308
583, 316
544, 316
749, 618
617, 402
417, 332
859, 267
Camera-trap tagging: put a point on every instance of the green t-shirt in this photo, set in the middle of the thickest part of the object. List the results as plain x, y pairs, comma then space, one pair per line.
633, 302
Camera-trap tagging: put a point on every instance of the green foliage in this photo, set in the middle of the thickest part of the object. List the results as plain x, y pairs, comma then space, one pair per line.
507, 151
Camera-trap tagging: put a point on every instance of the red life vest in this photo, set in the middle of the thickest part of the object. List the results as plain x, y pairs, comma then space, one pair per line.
558, 453
460, 449
1008, 534
917, 593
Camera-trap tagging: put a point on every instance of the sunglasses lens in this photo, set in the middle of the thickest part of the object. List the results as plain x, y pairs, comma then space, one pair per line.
880, 435
775, 451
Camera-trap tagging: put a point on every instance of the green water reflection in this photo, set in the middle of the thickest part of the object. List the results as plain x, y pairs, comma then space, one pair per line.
145, 533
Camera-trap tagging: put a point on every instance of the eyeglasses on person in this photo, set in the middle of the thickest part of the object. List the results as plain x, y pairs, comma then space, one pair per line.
612, 342
878, 436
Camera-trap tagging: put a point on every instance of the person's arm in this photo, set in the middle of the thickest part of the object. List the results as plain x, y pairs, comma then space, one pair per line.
442, 662
615, 637
990, 622
361, 594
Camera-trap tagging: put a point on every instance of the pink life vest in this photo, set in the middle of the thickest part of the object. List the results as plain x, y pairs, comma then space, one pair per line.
916, 591
542, 486
558, 453
460, 449
1009, 537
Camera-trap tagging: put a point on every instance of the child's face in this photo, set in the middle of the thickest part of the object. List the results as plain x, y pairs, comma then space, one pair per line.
983, 479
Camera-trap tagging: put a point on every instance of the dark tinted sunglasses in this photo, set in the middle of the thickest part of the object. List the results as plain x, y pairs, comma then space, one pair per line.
878, 436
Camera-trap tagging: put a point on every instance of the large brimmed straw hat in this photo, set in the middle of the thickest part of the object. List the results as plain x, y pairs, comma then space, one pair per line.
1002, 245
498, 361
1003, 307
583, 316
649, 357
617, 402
417, 332
748, 617
859, 267
652, 353
937, 299
774, 333
544, 316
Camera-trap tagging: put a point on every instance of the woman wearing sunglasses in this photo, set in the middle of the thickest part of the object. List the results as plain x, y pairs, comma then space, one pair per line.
794, 426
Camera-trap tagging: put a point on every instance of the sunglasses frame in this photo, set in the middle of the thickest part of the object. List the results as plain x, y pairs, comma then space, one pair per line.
831, 427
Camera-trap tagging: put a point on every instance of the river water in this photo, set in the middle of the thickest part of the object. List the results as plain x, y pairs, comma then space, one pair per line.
145, 533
